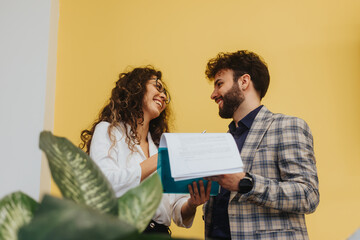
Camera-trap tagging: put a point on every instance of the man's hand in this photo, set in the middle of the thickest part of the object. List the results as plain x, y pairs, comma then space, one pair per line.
228, 181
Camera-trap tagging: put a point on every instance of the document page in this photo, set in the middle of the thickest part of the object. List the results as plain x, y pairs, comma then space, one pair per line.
193, 155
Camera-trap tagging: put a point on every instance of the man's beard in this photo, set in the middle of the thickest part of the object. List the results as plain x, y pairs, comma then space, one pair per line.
231, 101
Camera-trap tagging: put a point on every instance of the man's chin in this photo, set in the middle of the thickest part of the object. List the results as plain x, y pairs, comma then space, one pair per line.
225, 115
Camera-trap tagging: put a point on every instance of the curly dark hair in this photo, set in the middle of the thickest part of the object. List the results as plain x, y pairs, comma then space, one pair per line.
125, 106
241, 62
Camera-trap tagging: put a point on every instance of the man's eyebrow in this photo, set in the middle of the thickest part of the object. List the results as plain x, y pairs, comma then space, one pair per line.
217, 80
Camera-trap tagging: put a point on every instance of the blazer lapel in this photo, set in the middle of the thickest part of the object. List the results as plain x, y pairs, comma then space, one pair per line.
257, 131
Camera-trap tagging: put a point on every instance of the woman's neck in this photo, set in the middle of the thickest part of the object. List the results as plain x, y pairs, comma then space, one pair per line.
142, 131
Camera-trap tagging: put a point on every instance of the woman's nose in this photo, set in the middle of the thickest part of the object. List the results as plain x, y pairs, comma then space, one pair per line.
163, 95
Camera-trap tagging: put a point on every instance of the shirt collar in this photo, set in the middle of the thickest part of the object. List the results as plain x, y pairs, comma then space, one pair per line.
246, 121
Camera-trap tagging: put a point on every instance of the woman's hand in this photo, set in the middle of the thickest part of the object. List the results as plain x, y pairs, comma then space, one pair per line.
197, 198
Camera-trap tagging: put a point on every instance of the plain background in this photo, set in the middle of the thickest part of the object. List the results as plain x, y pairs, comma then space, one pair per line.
312, 49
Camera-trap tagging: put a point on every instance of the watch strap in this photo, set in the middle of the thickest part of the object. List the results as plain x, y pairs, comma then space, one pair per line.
245, 184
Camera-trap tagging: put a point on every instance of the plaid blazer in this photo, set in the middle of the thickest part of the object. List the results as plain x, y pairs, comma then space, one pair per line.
278, 154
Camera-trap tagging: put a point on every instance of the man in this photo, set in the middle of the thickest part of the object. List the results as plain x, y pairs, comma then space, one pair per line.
279, 183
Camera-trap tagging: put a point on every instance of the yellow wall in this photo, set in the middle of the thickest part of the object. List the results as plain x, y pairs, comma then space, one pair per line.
312, 49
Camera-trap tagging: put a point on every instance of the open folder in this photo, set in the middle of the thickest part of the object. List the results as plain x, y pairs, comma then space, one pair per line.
187, 157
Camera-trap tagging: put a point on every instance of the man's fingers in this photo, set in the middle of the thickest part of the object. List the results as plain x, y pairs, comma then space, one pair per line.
213, 178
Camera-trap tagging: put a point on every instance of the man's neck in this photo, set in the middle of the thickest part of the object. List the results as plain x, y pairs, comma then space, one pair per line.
244, 109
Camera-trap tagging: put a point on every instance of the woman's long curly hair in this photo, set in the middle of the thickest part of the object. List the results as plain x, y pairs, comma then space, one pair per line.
124, 109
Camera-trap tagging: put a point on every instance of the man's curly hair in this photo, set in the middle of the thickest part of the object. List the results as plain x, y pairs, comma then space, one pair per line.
242, 62
124, 109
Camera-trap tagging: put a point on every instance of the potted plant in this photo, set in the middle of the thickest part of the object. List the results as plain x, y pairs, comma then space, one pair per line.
89, 208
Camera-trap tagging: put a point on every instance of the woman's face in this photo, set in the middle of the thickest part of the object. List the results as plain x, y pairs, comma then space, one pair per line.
154, 101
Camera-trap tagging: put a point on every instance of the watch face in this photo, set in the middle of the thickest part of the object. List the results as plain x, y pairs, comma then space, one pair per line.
245, 185
245, 182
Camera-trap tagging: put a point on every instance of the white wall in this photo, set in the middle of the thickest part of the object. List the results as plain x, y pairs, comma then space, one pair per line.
24, 78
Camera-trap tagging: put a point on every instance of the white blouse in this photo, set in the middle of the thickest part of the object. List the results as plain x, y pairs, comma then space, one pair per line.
122, 168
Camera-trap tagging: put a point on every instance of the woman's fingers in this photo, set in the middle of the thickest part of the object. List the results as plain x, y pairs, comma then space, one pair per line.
196, 191
190, 190
208, 190
202, 192
197, 198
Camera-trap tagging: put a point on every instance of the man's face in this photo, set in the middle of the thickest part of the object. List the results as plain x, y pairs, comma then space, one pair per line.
227, 93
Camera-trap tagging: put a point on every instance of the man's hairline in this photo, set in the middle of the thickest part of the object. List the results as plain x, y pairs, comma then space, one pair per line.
212, 78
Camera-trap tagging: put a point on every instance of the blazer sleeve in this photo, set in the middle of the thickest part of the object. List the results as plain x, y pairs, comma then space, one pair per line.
121, 176
296, 189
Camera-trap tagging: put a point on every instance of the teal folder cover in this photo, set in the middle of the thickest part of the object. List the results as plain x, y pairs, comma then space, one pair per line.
171, 186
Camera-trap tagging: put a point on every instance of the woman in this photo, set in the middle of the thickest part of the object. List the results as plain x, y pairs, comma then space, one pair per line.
123, 142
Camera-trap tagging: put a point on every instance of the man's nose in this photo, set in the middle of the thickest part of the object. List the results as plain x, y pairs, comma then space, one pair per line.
213, 94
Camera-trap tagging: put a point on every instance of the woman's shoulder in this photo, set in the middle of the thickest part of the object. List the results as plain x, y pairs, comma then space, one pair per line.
102, 127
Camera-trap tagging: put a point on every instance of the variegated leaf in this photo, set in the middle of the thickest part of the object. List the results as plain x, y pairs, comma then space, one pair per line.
61, 219
138, 205
16, 210
77, 175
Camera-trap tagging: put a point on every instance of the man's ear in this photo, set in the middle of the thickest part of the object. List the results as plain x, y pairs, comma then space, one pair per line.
244, 81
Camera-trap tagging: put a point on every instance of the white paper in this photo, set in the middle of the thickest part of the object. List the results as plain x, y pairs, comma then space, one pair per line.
193, 155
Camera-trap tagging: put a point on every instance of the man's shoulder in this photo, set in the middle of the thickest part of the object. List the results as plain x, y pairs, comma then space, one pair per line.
280, 117
279, 121
283, 121
265, 113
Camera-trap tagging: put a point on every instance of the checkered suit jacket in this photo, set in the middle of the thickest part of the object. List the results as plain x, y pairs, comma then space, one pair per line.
278, 154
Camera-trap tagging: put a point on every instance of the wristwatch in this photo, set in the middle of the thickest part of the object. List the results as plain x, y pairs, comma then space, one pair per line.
245, 184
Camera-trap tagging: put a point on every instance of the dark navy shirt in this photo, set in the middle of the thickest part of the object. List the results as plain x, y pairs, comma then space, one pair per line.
220, 218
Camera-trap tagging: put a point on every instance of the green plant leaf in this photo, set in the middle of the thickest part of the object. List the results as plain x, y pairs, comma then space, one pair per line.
154, 236
16, 210
77, 175
138, 205
61, 219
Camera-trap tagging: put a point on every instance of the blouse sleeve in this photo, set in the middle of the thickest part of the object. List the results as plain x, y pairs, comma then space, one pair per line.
176, 203
121, 175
